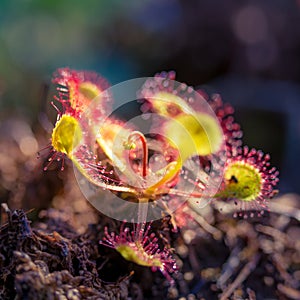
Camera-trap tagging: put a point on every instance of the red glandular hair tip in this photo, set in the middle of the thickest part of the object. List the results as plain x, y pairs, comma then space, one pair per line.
261, 162
52, 156
255, 161
69, 83
165, 82
232, 130
141, 246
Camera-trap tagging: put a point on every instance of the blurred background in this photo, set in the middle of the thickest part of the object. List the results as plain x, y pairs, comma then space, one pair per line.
248, 51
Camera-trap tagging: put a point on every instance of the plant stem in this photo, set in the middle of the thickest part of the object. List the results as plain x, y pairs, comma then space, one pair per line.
141, 137
142, 206
141, 222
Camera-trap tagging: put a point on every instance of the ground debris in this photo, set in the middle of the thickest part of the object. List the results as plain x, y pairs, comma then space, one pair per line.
39, 265
256, 258
219, 258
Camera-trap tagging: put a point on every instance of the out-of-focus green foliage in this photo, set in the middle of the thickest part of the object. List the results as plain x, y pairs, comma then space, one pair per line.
38, 36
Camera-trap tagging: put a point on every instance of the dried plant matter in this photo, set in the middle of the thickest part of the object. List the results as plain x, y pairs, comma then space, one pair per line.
38, 265
218, 257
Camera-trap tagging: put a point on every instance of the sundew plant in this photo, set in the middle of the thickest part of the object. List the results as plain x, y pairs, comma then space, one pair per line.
182, 148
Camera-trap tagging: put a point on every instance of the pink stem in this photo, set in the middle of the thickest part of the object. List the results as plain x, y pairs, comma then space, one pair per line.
143, 207
143, 140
